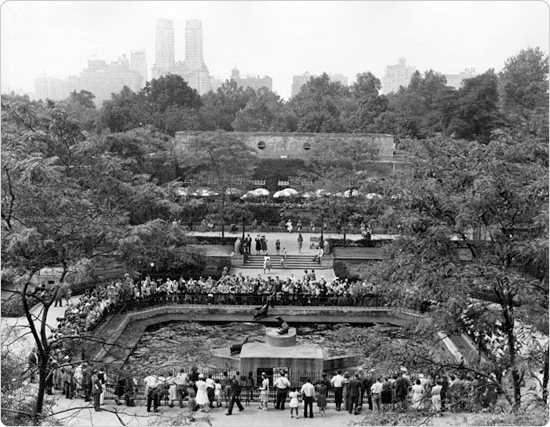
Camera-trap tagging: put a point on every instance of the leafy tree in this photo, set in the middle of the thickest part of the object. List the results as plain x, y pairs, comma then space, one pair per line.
81, 105
475, 114
169, 91
369, 104
124, 111
494, 199
523, 87
65, 198
220, 108
524, 82
261, 113
320, 104
420, 107
219, 161
161, 242
337, 169
83, 98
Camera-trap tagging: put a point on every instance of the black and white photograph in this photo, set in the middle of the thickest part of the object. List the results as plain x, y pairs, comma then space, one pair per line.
274, 213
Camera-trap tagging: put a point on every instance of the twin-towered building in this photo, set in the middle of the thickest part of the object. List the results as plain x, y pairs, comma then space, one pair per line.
193, 69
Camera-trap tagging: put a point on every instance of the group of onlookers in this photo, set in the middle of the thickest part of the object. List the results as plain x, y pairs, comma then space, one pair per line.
235, 289
399, 392
76, 380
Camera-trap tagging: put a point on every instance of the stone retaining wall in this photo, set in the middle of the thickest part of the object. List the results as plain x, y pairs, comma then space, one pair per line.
128, 331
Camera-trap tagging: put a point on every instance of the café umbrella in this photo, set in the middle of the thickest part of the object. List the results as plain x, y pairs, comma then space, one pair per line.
258, 192
287, 192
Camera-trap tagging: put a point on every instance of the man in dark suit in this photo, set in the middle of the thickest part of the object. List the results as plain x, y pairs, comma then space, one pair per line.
235, 394
354, 394
367, 383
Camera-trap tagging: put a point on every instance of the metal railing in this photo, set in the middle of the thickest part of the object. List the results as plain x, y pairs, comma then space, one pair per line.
301, 299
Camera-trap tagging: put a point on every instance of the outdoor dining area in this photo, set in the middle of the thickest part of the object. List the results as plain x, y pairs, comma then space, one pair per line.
264, 194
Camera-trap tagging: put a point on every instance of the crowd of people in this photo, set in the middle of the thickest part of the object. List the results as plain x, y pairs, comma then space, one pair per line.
239, 289
205, 391
349, 392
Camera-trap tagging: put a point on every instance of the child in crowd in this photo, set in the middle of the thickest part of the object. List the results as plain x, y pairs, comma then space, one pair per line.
293, 395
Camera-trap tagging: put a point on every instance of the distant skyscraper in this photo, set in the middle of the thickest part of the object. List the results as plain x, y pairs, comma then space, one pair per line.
339, 78
138, 63
396, 76
298, 82
193, 45
50, 88
164, 53
455, 80
254, 82
193, 70
103, 79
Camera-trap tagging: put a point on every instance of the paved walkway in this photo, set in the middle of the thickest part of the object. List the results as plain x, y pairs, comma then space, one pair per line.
15, 330
288, 240
251, 416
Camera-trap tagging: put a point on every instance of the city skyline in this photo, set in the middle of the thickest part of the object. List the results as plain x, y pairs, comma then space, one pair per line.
279, 40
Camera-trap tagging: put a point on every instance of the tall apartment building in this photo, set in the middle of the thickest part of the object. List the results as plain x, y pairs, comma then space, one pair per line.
138, 62
193, 45
100, 78
254, 82
299, 81
396, 75
193, 70
455, 80
340, 78
50, 88
164, 48
103, 79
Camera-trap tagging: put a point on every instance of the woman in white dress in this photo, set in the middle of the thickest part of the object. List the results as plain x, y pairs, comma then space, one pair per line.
202, 396
418, 393
172, 389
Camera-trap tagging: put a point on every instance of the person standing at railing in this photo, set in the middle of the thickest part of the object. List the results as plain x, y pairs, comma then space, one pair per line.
354, 394
308, 394
97, 390
152, 384
337, 382
264, 392
281, 385
182, 380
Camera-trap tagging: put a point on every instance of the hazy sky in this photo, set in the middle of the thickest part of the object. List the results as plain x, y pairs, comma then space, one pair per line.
279, 39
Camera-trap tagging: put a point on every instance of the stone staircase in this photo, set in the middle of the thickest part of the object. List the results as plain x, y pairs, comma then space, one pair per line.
296, 262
